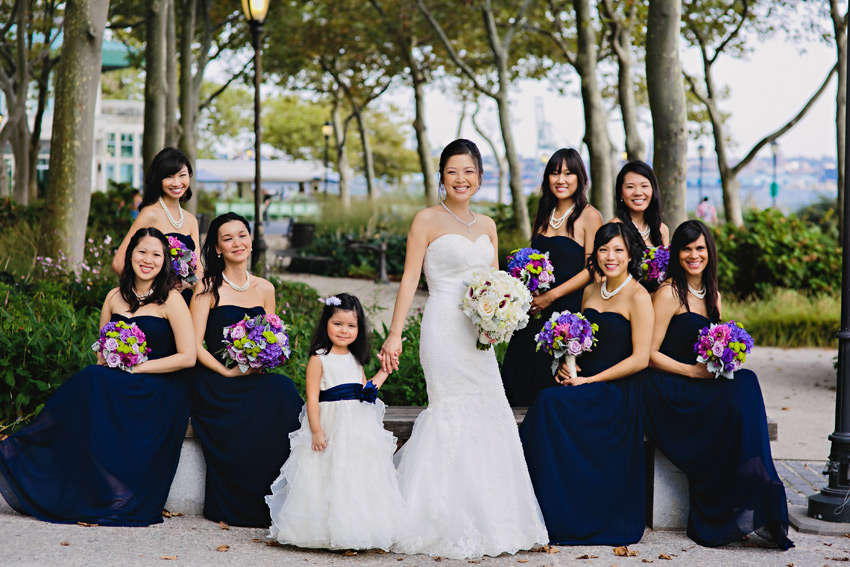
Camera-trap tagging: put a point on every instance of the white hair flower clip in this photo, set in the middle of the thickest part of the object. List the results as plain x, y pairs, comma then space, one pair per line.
333, 300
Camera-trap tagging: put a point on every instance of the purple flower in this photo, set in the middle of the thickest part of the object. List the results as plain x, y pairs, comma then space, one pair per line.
113, 360
574, 348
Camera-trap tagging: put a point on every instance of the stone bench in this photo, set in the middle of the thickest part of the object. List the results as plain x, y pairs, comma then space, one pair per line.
666, 485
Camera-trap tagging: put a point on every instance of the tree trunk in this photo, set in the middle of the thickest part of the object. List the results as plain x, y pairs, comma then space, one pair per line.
5, 189
66, 213
368, 160
35, 138
423, 146
667, 105
635, 148
514, 169
840, 29
340, 141
500, 159
20, 137
155, 87
595, 118
20, 151
171, 125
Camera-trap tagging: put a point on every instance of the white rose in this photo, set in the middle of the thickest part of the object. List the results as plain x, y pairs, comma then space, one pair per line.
487, 307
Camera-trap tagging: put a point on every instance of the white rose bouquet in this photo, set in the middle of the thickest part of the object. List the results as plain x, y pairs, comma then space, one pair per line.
498, 305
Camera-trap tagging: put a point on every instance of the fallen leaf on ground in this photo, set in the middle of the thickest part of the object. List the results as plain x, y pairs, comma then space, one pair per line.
223, 547
399, 558
522, 560
828, 544
169, 557
474, 561
380, 551
665, 556
65, 543
350, 553
586, 556
273, 543
623, 551
257, 540
223, 525
839, 558
85, 525
646, 560
786, 409
167, 514
438, 558
551, 549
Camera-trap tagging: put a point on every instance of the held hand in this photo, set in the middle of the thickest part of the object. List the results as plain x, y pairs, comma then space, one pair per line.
320, 443
234, 372
700, 371
100, 360
565, 378
390, 352
541, 302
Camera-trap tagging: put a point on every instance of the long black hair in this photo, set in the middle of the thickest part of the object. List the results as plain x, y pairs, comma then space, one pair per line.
212, 261
569, 158
652, 214
687, 233
321, 342
165, 164
630, 237
162, 283
459, 147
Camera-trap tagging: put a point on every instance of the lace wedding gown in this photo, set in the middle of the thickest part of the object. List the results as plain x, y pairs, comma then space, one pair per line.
462, 473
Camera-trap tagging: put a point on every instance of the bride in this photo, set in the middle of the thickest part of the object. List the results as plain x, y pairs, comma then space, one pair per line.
462, 472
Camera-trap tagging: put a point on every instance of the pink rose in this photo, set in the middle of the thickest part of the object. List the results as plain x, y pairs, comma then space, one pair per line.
111, 344
237, 332
717, 349
274, 320
574, 348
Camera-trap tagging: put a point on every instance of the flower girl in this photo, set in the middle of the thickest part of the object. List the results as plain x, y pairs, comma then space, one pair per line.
338, 489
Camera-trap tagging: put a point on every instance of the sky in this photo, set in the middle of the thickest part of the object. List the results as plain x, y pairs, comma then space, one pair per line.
766, 89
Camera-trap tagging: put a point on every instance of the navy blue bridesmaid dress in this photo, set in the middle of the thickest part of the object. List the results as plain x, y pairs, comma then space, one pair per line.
105, 447
715, 431
584, 448
190, 244
525, 372
243, 424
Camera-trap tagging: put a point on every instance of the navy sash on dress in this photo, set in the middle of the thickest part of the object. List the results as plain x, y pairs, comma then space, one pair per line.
351, 391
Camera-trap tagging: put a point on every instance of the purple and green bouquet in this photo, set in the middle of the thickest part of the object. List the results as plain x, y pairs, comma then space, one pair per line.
183, 260
566, 334
532, 267
654, 264
122, 345
723, 347
256, 342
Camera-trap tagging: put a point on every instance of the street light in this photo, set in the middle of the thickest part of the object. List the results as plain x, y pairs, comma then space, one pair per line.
255, 12
829, 503
701, 152
774, 186
327, 130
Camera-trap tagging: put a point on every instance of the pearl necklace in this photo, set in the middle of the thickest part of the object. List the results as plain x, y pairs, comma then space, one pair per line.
609, 294
175, 223
235, 287
143, 295
643, 233
468, 225
558, 222
698, 294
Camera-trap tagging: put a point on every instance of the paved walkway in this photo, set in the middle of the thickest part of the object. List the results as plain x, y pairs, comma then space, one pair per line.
799, 392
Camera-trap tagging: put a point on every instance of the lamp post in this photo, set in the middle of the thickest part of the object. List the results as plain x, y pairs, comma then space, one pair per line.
828, 504
327, 130
701, 153
774, 186
255, 12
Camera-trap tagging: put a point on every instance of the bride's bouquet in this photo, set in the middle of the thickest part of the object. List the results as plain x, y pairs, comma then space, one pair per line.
122, 345
532, 267
654, 265
566, 335
723, 348
256, 342
498, 305
183, 260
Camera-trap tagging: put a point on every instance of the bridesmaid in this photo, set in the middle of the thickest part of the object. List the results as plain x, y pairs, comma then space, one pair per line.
242, 420
714, 430
564, 227
105, 447
639, 203
166, 186
584, 441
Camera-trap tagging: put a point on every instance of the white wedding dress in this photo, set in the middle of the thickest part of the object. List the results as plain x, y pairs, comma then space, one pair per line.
463, 473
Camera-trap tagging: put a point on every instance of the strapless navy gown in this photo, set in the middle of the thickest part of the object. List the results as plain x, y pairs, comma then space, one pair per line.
190, 244
715, 431
105, 447
584, 449
243, 424
525, 372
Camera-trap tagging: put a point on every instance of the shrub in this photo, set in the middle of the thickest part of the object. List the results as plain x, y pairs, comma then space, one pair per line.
353, 262
771, 251
299, 308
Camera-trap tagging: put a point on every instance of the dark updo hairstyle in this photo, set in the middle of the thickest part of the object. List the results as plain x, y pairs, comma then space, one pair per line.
569, 158
212, 261
632, 240
652, 214
687, 233
461, 147
162, 283
165, 164
321, 342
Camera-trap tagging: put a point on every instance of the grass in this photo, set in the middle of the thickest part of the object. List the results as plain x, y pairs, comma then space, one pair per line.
787, 318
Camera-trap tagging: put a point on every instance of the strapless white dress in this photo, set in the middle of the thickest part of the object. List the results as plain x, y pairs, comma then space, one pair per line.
463, 473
